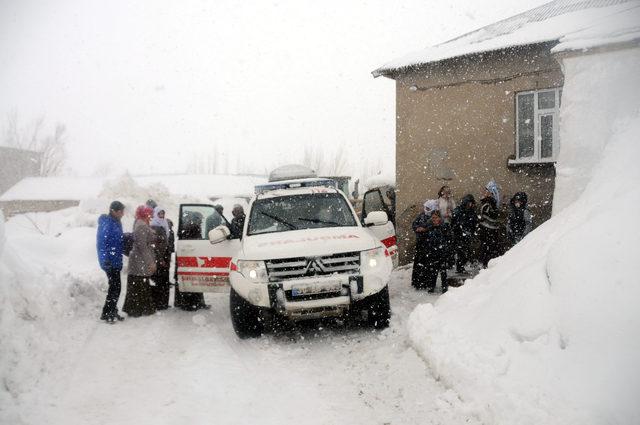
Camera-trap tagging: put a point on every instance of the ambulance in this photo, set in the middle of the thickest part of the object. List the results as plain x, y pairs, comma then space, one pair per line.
303, 254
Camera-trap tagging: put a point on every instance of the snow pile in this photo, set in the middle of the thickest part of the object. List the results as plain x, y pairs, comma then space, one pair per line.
39, 298
52, 289
550, 333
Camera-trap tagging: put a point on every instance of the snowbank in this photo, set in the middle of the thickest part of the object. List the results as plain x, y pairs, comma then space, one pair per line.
550, 333
40, 296
52, 289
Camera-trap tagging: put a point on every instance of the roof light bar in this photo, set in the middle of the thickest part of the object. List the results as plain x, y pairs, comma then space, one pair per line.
296, 184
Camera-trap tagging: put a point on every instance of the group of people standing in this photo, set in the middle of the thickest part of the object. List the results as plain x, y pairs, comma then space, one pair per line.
448, 235
149, 247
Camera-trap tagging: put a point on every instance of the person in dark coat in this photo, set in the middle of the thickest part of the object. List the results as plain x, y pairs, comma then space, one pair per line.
110, 246
142, 265
432, 248
237, 223
520, 220
190, 229
489, 226
161, 289
464, 222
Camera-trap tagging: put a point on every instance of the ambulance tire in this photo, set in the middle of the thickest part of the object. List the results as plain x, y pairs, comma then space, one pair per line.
245, 317
379, 313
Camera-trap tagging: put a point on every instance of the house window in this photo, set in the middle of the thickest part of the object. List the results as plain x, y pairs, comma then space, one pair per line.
537, 125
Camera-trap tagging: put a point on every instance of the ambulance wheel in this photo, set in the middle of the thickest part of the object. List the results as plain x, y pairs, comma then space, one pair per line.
245, 317
379, 309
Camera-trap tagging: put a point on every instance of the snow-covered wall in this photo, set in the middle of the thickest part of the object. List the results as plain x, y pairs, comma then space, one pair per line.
601, 93
550, 332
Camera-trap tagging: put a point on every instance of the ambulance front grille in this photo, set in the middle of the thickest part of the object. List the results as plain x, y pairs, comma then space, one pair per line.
292, 268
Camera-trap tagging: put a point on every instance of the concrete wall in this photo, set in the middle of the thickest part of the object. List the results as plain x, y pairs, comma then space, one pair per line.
457, 127
16, 164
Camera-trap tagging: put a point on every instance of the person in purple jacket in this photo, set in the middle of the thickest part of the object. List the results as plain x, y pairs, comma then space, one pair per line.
110, 246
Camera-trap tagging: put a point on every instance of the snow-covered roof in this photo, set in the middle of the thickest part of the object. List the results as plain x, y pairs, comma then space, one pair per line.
618, 28
79, 188
54, 189
547, 23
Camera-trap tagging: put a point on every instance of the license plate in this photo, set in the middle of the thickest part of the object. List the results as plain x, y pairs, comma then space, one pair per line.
314, 288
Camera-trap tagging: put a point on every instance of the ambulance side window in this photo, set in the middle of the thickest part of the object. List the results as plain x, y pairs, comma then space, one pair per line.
197, 220
372, 201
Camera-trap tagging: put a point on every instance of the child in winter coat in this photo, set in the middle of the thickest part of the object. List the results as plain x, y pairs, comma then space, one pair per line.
464, 223
520, 220
432, 248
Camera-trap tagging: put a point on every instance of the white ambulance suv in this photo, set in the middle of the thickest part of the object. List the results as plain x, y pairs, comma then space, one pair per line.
303, 254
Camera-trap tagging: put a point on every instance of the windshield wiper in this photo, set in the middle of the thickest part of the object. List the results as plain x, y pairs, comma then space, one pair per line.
279, 220
317, 220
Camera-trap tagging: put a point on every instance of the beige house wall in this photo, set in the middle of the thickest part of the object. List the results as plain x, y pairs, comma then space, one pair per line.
456, 126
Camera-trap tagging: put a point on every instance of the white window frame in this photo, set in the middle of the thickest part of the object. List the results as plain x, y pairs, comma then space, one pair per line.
537, 138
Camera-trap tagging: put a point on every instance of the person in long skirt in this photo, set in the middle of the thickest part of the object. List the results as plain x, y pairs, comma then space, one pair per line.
160, 278
142, 264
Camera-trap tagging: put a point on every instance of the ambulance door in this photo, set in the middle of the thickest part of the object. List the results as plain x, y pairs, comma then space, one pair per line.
202, 266
373, 201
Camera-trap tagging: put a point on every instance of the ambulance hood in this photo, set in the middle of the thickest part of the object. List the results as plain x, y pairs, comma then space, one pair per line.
307, 243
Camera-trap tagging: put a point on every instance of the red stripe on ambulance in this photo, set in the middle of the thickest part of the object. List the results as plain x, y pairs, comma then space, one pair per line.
204, 262
389, 242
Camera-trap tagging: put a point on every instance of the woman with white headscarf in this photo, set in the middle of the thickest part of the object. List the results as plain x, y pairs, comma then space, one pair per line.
161, 290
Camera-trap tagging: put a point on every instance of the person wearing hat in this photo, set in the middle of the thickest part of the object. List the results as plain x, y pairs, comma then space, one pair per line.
432, 248
110, 247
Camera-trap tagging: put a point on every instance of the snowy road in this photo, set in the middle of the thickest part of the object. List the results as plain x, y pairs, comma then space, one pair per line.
182, 367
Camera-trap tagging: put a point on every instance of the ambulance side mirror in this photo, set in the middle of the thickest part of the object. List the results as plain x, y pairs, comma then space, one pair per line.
376, 218
219, 234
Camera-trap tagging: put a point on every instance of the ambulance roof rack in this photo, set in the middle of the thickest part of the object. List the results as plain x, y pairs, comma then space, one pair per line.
295, 184
290, 172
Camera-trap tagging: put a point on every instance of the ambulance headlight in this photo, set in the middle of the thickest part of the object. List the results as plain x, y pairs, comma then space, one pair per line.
372, 259
255, 271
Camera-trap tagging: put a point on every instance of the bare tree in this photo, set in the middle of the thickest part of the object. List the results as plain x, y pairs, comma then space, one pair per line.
51, 147
334, 164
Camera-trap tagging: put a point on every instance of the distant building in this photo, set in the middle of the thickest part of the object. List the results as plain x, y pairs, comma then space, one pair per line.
484, 106
44, 194
16, 164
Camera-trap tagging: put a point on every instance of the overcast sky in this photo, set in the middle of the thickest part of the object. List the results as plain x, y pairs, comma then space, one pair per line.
149, 86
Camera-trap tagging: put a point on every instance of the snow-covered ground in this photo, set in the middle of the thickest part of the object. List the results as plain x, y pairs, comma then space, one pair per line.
61, 365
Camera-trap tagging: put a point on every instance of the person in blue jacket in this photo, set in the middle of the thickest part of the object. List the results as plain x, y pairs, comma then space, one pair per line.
110, 246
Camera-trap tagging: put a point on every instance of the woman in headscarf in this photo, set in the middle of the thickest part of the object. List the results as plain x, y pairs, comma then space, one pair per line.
489, 227
446, 204
161, 290
142, 264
